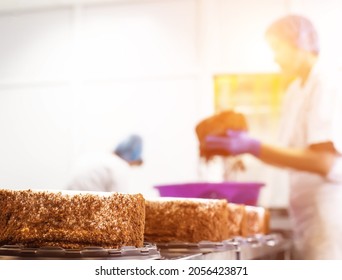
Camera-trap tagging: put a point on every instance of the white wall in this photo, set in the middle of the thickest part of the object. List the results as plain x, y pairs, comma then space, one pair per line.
79, 75
79, 78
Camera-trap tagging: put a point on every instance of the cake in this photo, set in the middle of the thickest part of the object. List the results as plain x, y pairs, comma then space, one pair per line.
236, 214
255, 221
218, 124
247, 220
73, 220
186, 220
190, 220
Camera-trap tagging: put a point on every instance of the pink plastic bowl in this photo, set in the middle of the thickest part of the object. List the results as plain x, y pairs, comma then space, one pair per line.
235, 192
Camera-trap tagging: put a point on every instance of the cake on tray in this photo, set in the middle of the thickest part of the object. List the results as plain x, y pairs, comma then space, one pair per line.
71, 220
247, 220
186, 220
192, 220
256, 220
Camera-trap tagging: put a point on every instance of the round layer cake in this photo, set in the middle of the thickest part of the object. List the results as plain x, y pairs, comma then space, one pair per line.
186, 220
71, 220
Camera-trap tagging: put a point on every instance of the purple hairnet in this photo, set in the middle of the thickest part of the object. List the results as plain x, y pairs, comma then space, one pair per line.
130, 149
297, 30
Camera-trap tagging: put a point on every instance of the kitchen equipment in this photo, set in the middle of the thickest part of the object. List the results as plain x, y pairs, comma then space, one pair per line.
147, 252
205, 250
235, 192
254, 247
262, 247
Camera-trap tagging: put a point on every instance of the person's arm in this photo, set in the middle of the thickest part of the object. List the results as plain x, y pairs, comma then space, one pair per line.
316, 158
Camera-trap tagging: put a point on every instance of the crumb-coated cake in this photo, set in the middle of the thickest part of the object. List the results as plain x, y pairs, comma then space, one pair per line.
186, 220
256, 220
236, 213
246, 220
72, 220
218, 124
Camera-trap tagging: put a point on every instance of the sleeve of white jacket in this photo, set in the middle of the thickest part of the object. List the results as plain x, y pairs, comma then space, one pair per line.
325, 118
120, 176
100, 172
95, 179
325, 112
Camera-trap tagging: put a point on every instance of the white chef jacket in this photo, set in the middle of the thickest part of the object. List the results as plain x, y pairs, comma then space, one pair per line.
103, 172
312, 113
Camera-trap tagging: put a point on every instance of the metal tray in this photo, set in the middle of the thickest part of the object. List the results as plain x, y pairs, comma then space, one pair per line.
148, 251
263, 247
204, 250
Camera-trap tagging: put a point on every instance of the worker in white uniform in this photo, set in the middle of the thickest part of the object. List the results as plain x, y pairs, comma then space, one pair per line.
108, 172
310, 140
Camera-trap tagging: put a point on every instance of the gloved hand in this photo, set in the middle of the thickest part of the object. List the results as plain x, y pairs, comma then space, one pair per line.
235, 143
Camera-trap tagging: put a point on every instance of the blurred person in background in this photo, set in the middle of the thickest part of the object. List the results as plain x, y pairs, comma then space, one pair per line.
108, 172
310, 143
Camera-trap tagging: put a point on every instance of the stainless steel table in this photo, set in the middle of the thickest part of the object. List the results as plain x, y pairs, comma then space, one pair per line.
256, 247
147, 252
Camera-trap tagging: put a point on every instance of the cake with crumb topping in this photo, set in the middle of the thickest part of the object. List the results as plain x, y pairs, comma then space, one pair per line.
256, 220
217, 125
74, 220
236, 214
186, 220
247, 220
191, 220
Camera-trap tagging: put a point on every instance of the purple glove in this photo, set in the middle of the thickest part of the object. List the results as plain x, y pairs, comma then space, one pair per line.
236, 142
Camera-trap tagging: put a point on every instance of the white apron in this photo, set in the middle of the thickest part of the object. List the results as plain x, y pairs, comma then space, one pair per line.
312, 114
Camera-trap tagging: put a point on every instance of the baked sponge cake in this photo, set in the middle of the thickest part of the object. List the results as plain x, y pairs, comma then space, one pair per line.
247, 220
191, 220
256, 220
77, 220
236, 215
218, 124
186, 220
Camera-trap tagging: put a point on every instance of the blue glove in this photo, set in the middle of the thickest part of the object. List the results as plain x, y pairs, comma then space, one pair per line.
235, 143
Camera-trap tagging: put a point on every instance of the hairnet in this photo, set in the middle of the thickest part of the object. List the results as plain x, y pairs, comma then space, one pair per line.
296, 30
130, 149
